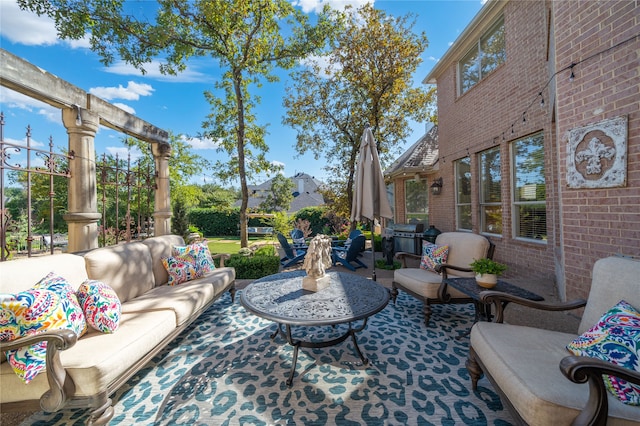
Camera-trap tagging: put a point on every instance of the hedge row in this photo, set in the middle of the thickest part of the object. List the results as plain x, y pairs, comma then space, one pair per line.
213, 222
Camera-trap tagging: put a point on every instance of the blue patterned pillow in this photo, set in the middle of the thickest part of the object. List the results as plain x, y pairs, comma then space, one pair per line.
433, 255
616, 339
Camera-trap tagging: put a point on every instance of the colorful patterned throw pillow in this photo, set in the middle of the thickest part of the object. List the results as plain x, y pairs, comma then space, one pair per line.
74, 312
196, 253
616, 339
433, 255
34, 311
179, 270
100, 305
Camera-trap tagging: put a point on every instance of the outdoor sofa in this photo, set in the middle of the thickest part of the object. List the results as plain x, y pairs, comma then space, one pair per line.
539, 380
84, 372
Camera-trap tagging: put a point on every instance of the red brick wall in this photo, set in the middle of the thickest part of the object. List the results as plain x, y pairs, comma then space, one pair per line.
598, 222
482, 118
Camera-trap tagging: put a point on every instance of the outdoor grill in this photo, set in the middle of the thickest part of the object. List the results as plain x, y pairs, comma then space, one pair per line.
407, 237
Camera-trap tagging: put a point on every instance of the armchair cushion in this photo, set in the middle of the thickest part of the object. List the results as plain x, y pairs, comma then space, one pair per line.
433, 255
616, 339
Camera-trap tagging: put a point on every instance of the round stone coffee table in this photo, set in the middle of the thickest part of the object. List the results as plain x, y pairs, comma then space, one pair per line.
281, 298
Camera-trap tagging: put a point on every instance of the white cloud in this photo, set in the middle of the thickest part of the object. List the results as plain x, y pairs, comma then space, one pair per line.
24, 27
132, 92
200, 143
17, 100
326, 69
433, 58
153, 71
125, 107
315, 6
280, 165
123, 152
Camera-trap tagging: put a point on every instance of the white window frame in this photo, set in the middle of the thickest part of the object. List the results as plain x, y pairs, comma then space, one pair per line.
477, 50
459, 204
516, 204
485, 228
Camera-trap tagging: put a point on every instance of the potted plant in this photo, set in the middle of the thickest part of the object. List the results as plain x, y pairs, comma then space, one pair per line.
487, 271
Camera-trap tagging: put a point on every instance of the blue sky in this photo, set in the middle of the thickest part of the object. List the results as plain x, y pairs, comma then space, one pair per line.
177, 103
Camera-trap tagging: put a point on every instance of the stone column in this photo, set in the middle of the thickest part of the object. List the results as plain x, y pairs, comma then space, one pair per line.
162, 214
82, 209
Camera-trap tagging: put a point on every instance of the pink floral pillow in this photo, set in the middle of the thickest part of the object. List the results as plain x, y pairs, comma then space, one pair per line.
179, 270
34, 311
100, 305
433, 255
196, 253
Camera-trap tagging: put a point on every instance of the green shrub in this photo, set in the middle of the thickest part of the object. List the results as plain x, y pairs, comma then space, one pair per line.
315, 216
253, 267
214, 222
266, 250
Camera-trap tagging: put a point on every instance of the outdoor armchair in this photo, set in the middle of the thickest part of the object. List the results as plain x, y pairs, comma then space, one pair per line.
423, 282
292, 255
348, 256
540, 380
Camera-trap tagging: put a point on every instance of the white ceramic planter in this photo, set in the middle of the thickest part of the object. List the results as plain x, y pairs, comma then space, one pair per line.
487, 280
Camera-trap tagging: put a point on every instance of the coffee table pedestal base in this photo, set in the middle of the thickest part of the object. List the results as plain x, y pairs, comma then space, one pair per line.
297, 344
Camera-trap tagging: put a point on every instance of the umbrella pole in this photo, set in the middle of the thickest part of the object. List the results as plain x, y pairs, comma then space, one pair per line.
373, 249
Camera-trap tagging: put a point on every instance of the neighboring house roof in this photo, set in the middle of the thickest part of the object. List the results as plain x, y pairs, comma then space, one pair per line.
422, 156
305, 193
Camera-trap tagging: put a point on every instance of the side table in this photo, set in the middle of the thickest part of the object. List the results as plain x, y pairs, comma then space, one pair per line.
470, 287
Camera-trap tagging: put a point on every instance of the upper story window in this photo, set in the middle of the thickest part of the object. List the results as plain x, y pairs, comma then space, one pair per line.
529, 189
490, 191
485, 56
463, 193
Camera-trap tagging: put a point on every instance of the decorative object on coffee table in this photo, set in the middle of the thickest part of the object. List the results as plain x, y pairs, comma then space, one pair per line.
487, 271
316, 261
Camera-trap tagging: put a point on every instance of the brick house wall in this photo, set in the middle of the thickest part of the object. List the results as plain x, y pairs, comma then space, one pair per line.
603, 40
481, 119
541, 38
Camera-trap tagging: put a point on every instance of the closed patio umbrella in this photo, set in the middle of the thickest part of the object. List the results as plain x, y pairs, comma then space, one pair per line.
370, 193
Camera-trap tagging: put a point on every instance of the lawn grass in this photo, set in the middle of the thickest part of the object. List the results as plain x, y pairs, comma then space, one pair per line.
231, 245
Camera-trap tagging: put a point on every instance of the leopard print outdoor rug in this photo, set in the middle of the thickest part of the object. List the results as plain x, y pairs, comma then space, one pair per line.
226, 370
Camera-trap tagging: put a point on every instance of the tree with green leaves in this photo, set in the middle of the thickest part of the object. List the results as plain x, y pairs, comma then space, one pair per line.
280, 196
364, 80
246, 38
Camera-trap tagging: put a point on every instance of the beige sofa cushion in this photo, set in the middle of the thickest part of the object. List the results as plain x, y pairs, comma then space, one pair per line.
185, 299
127, 268
524, 363
161, 247
22, 274
97, 359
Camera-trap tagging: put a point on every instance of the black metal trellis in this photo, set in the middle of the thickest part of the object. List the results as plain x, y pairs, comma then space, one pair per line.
54, 165
123, 180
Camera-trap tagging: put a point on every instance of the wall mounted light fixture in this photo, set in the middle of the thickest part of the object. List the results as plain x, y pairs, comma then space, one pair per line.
436, 186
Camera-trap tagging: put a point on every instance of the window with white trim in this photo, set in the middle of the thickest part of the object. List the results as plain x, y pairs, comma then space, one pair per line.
529, 189
416, 197
490, 196
485, 56
463, 193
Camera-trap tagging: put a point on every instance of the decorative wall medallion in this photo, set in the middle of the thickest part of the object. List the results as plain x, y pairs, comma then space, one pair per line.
597, 155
